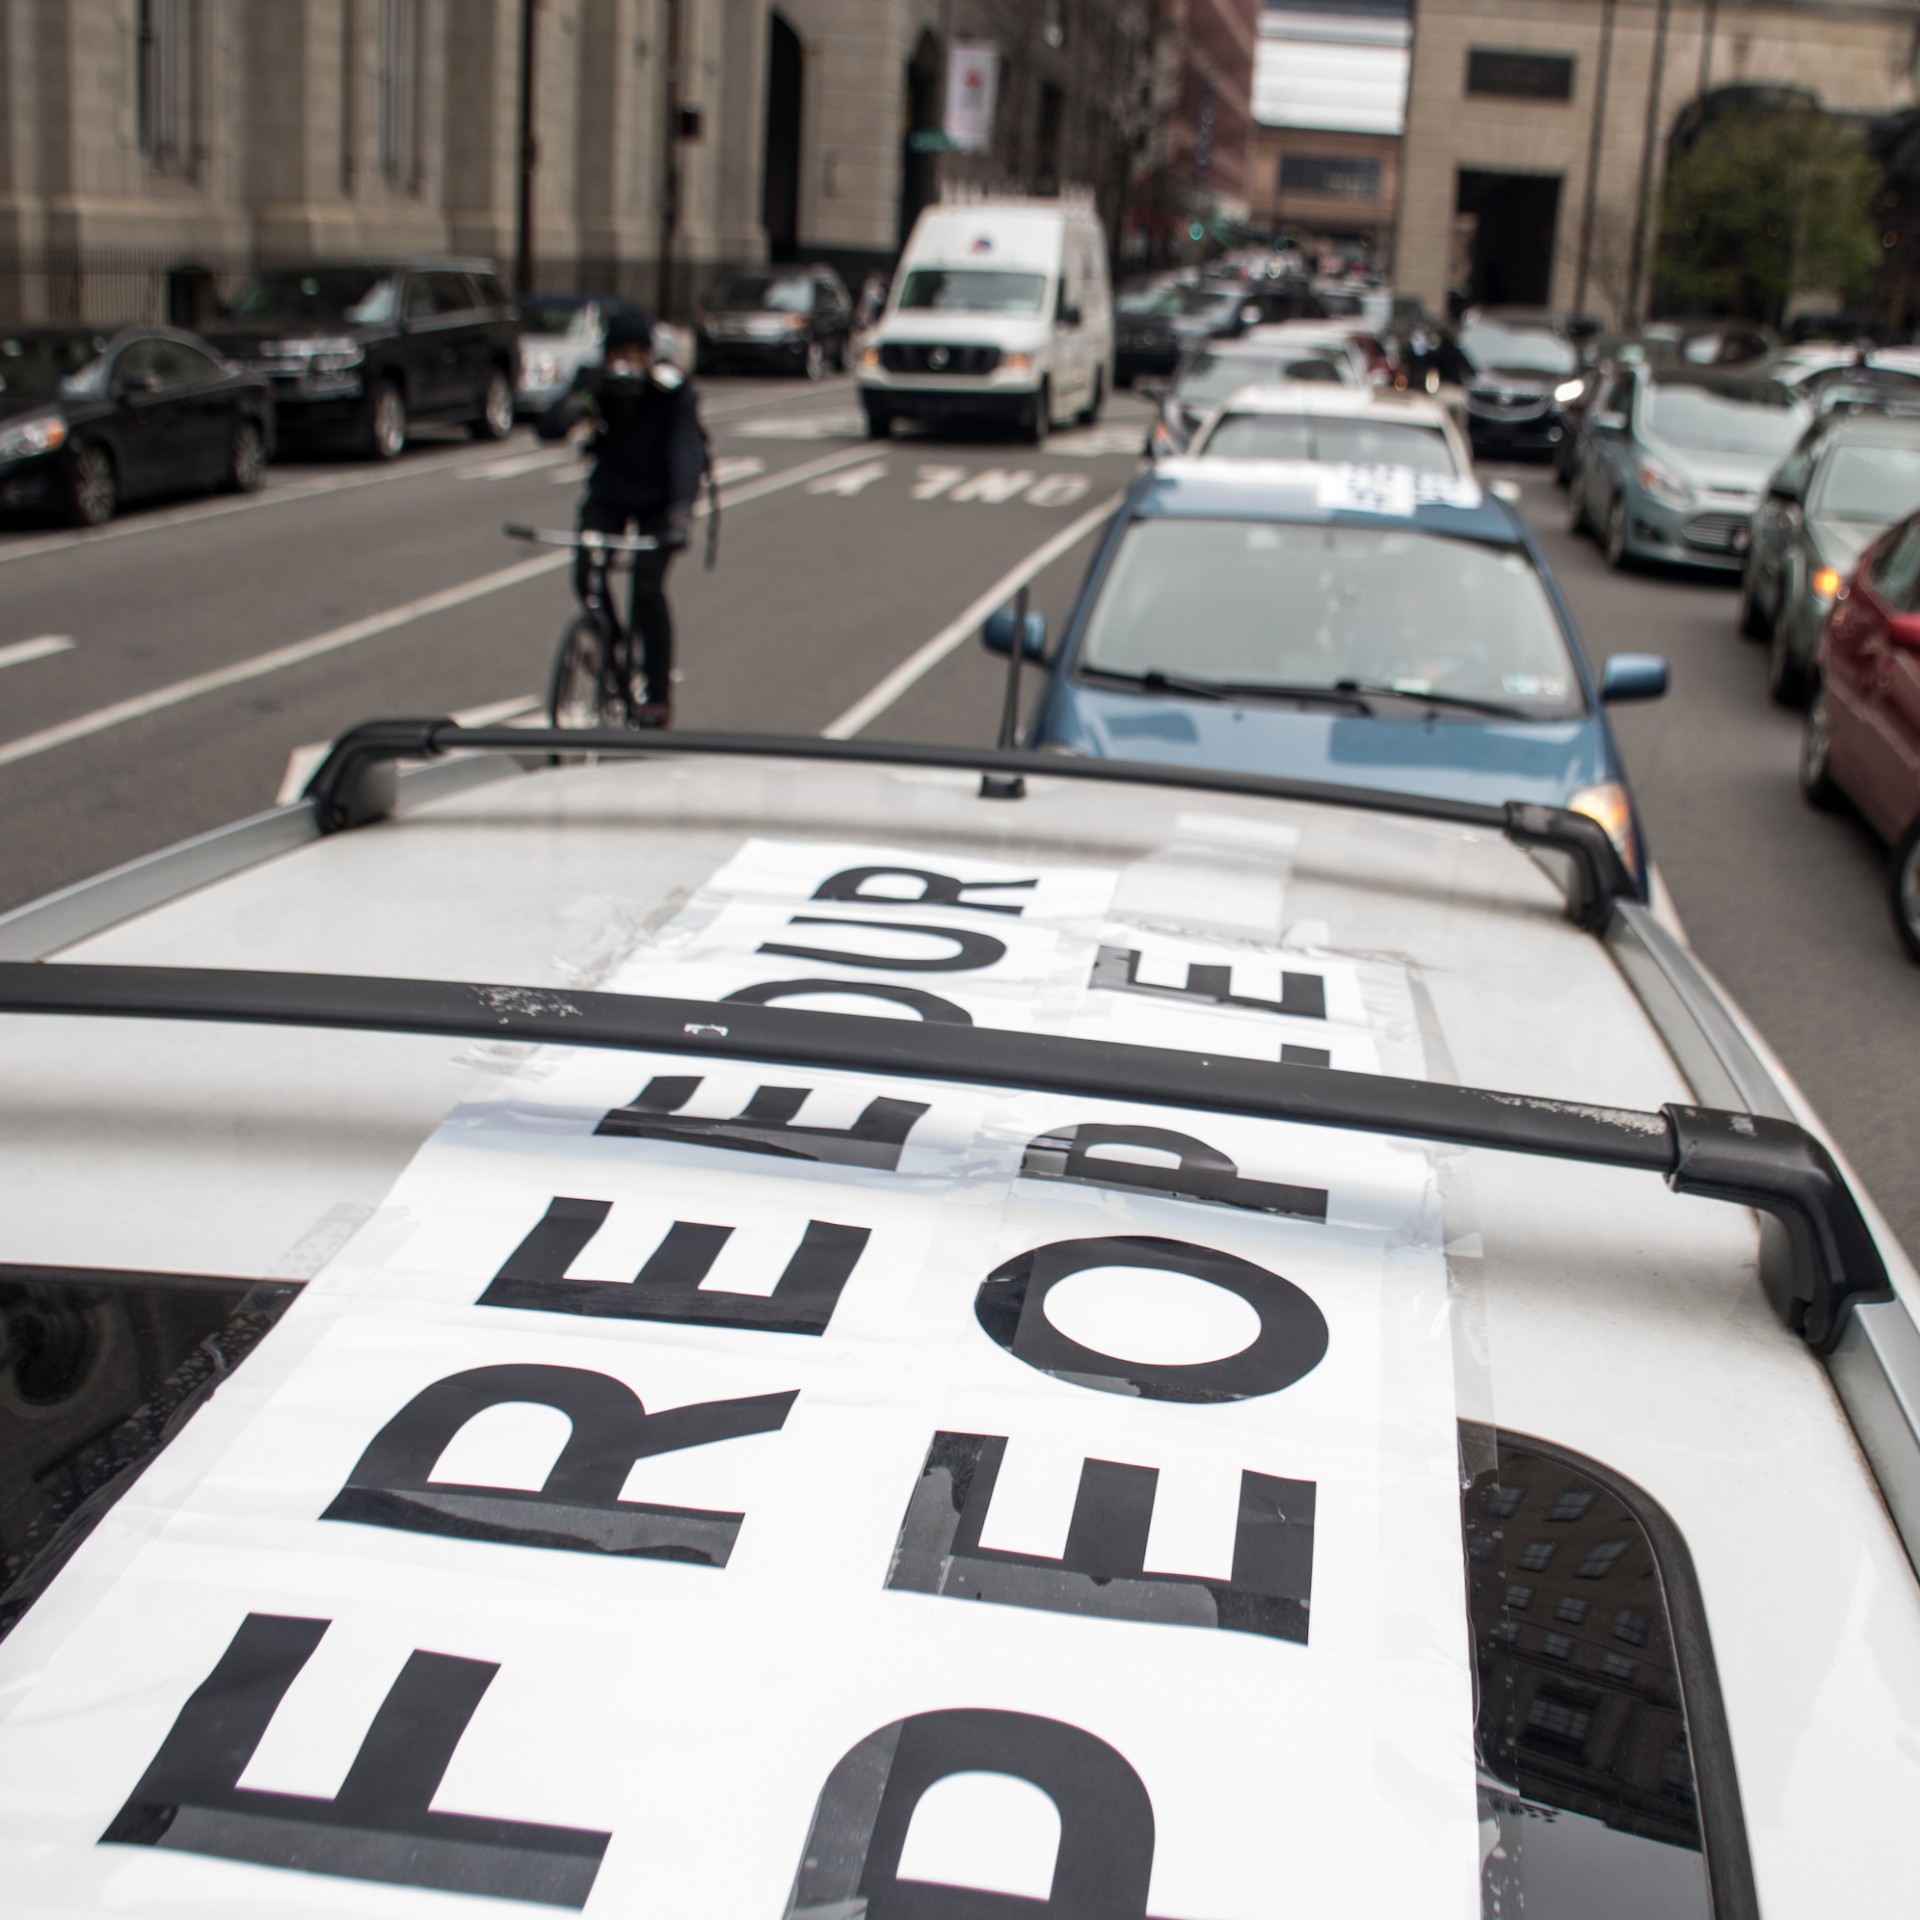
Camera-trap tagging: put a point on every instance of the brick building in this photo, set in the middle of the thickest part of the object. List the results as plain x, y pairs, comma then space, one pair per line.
1537, 129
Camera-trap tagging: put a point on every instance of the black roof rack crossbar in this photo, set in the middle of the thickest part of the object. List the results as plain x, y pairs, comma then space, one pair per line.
354, 785
1772, 1165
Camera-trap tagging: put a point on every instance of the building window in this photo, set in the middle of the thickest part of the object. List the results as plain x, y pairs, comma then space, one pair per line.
1570, 1506
1537, 1557
1556, 1646
1334, 176
1573, 1611
1518, 1599
1504, 1502
1616, 1666
400, 93
1600, 1561
165, 84
1631, 1626
1513, 75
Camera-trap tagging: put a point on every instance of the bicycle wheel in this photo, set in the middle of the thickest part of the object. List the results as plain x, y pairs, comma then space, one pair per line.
577, 697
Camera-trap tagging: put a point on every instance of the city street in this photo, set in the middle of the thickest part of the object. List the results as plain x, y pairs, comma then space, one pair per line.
163, 676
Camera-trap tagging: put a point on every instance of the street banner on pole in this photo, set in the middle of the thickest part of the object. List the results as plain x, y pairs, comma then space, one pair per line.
973, 88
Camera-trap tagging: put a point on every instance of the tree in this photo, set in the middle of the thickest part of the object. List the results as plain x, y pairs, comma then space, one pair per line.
1766, 205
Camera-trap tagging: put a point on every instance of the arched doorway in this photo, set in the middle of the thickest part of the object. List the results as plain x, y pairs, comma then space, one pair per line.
920, 120
780, 187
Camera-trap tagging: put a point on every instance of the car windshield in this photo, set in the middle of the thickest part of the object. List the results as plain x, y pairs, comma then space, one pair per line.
1517, 350
1743, 419
768, 293
1877, 485
1208, 378
336, 296
1253, 603
972, 290
1303, 436
569, 317
44, 366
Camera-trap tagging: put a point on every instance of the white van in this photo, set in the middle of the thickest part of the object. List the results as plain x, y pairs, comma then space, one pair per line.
1001, 308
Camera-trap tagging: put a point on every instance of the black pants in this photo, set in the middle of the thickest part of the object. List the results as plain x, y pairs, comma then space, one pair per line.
650, 617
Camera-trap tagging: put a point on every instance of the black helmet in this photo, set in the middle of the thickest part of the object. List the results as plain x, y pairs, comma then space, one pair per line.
628, 327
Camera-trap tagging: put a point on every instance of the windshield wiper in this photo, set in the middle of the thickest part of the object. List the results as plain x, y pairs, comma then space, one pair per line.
1344, 695
1499, 710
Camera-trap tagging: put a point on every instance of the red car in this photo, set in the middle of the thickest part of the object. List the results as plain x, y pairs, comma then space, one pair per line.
1863, 727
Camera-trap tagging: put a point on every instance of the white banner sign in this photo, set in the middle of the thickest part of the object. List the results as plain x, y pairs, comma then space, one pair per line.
715, 1489
973, 89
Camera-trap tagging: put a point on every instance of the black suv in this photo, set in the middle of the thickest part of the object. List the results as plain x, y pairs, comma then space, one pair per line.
355, 350
786, 320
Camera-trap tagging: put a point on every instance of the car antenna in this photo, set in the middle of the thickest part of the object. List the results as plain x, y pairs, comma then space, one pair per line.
1010, 786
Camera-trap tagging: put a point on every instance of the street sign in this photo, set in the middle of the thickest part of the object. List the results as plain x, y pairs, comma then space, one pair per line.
931, 140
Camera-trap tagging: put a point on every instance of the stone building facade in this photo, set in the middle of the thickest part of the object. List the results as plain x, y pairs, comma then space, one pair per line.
1537, 129
151, 146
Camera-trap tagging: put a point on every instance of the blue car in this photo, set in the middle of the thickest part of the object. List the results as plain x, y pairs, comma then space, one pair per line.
1369, 627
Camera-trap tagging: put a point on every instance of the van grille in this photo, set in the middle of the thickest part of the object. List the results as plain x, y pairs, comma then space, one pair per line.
898, 357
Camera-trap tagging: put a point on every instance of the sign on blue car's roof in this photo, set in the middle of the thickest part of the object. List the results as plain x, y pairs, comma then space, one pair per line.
1321, 490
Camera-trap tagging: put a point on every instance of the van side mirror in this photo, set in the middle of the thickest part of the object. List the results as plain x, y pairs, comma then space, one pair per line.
1070, 315
1633, 676
997, 635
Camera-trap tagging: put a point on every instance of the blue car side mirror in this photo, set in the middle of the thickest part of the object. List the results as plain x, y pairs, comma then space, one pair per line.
997, 635
1633, 676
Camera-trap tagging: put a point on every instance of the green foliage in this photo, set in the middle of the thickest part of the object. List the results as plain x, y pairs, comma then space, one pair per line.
1764, 206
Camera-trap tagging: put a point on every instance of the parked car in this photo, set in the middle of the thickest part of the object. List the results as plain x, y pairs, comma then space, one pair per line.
91, 420
1318, 420
560, 333
795, 320
1387, 629
1848, 480
1154, 333
1001, 310
357, 352
1206, 377
1862, 739
1513, 376
1672, 460
1319, 1320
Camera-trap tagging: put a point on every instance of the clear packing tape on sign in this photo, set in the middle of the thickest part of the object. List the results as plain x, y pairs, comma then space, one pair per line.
751, 1493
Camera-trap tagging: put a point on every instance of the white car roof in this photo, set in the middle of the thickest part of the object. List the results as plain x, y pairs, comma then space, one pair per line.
1323, 398
655, 1390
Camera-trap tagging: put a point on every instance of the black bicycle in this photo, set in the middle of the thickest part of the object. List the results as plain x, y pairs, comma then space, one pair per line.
595, 670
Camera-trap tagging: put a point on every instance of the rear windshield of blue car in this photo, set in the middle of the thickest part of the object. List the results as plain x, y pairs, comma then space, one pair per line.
1877, 485
1248, 603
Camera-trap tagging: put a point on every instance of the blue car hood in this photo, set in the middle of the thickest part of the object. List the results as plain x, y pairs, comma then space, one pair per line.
1488, 761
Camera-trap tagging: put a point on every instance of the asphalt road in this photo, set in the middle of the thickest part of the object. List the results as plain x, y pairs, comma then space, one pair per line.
210, 641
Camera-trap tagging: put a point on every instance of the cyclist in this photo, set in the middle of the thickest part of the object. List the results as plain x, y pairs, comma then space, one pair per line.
649, 453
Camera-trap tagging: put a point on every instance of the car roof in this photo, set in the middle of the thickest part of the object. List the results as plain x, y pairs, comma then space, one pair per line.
1870, 429
1323, 493
1322, 397
1756, 389
435, 1192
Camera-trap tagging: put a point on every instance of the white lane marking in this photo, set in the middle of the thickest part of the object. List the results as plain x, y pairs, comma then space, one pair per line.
413, 468
994, 486
137, 708
804, 426
1093, 443
855, 480
262, 664
304, 762
38, 648
731, 405
923, 660
737, 467
519, 464
1059, 490
934, 481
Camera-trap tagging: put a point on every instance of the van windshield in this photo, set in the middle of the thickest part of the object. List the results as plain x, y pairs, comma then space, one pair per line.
972, 290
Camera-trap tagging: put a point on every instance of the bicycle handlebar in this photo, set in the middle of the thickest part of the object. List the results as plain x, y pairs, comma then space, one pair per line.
583, 542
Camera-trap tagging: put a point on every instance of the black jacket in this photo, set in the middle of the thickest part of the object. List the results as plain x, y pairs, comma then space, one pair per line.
648, 447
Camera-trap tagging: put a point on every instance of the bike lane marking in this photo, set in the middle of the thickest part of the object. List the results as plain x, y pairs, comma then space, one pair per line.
918, 664
101, 719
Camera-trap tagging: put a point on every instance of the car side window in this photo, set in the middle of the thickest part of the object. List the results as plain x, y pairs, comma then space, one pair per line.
421, 303
452, 293
181, 365
136, 363
1896, 571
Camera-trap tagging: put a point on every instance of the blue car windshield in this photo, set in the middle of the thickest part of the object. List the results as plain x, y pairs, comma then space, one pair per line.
1248, 603
1702, 419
